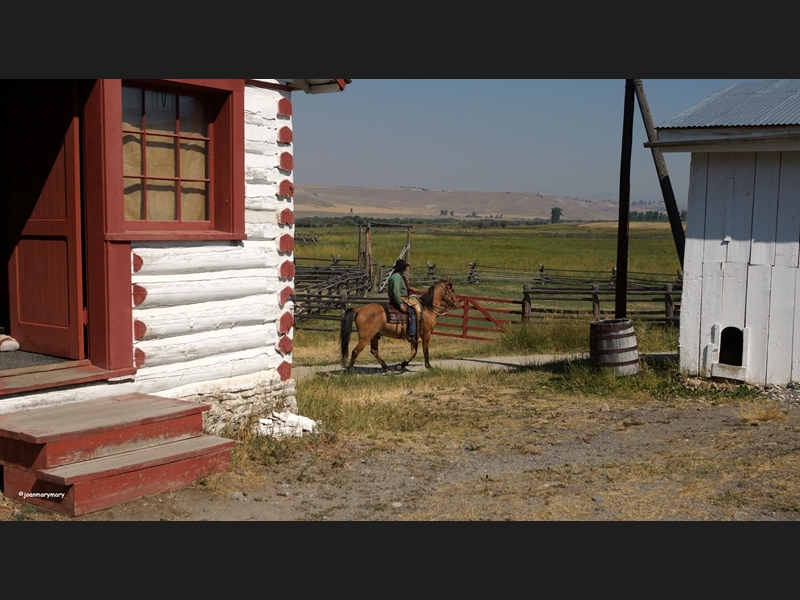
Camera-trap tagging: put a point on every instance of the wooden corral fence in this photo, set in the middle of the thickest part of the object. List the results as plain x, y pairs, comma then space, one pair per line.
479, 273
324, 291
311, 238
483, 318
315, 285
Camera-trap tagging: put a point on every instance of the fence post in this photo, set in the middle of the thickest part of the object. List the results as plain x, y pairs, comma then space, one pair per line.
669, 307
465, 320
343, 300
432, 272
526, 303
473, 276
596, 302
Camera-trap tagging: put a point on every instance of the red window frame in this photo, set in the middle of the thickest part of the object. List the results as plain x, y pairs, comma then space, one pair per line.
226, 163
147, 180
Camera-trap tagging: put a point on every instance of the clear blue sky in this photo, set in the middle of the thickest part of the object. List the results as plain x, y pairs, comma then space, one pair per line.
561, 136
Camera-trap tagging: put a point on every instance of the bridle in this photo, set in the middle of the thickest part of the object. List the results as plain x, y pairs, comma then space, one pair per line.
447, 301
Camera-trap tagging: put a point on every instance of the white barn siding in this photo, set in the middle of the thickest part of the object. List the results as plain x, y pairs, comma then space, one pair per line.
693, 260
719, 193
765, 217
759, 282
734, 293
788, 233
739, 209
781, 325
711, 306
741, 263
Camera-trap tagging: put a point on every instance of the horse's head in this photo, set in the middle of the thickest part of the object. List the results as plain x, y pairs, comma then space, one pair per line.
445, 296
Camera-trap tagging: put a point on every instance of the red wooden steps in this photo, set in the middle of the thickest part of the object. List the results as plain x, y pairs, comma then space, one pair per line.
28, 379
87, 456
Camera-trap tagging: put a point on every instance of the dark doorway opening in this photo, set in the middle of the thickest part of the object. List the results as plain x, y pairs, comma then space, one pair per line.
731, 346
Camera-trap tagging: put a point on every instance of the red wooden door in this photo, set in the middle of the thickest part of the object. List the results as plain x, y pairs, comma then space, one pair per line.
45, 269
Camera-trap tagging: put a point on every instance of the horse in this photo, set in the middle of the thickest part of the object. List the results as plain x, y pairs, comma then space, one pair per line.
371, 324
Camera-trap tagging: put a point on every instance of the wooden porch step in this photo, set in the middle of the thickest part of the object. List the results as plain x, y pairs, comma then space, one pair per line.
101, 483
64, 434
29, 380
65, 421
136, 460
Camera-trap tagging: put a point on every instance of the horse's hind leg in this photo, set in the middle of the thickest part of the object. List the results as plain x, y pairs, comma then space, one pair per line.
362, 343
373, 347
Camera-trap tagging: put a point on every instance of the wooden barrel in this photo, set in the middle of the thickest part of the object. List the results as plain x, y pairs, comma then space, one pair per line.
612, 345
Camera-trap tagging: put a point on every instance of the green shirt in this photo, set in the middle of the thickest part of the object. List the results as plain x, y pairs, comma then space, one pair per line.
397, 288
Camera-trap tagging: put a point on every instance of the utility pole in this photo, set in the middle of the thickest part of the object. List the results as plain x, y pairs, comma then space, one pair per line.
621, 296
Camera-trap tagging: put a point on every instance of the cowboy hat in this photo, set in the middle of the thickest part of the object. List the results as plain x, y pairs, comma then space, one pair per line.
400, 265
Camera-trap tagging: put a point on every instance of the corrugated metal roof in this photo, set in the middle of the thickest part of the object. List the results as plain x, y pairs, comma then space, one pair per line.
746, 104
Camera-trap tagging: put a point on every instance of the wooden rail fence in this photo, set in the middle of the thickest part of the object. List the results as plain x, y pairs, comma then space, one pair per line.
483, 318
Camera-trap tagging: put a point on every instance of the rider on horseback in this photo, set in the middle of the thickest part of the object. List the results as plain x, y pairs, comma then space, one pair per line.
399, 290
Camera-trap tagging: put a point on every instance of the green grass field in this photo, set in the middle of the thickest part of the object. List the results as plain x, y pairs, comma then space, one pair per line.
580, 246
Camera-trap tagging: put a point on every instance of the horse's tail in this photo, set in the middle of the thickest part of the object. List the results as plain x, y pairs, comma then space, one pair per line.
346, 329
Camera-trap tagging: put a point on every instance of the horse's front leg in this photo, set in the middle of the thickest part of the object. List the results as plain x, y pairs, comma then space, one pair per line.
405, 363
373, 347
426, 342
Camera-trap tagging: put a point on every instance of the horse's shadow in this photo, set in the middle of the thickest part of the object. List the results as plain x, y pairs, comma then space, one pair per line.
370, 370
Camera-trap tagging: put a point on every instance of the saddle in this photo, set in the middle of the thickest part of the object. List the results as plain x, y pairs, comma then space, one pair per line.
396, 317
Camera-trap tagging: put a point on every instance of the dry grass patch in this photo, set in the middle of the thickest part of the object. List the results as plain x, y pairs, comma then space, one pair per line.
761, 412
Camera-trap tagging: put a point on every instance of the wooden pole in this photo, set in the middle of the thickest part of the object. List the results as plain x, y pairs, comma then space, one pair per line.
368, 252
360, 258
621, 300
663, 177
526, 303
408, 250
596, 302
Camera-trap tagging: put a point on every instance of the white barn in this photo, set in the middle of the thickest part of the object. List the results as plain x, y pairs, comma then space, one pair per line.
739, 313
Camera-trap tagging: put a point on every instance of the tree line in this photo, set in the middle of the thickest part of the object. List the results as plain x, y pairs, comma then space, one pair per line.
653, 215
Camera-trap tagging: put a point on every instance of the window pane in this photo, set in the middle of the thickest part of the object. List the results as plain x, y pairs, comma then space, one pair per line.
161, 201
194, 201
193, 116
160, 111
132, 154
133, 199
193, 159
160, 156
131, 108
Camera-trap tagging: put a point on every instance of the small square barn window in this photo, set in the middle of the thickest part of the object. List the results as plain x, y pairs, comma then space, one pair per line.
182, 159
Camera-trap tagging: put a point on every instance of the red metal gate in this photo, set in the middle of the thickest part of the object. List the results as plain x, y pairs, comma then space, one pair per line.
479, 318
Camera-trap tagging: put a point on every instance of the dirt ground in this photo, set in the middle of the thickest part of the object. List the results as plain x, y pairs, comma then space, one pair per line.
535, 458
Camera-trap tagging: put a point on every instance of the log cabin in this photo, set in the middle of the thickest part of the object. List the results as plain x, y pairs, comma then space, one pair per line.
147, 278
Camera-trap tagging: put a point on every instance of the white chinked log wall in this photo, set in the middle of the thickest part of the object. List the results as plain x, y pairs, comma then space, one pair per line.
213, 320
741, 265
212, 325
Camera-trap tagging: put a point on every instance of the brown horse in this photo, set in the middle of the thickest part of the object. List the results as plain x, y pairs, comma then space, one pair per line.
371, 324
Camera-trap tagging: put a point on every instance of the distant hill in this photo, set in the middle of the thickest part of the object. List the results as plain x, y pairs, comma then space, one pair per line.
320, 200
